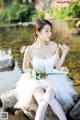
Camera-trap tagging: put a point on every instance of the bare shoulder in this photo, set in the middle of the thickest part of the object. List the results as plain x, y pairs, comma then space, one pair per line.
54, 45
28, 49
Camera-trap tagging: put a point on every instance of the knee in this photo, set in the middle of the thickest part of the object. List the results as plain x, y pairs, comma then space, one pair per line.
49, 94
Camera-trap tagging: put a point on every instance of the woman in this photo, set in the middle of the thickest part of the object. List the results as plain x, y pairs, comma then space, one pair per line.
53, 89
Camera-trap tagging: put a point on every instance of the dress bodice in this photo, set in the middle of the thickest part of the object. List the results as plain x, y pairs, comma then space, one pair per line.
41, 64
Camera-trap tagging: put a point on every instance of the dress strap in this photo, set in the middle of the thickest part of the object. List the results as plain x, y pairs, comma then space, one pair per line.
33, 53
58, 48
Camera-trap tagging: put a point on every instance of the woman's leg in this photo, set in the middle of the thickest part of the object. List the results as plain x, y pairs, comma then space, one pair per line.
38, 93
49, 96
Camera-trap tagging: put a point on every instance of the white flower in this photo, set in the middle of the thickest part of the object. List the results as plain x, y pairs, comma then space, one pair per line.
33, 73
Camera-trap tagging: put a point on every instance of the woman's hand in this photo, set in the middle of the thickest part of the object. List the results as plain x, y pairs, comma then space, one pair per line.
64, 48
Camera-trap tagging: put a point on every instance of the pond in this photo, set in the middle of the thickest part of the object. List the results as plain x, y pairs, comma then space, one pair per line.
15, 37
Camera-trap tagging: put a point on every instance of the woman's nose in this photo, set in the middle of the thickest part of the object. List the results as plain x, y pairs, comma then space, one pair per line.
50, 33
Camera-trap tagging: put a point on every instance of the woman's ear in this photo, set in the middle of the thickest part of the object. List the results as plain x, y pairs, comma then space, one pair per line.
37, 32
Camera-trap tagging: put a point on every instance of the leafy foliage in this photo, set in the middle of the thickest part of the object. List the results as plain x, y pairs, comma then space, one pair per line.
19, 1
37, 74
26, 12
38, 14
72, 11
17, 12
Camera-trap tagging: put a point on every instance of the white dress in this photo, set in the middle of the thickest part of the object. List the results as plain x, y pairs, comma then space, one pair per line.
61, 84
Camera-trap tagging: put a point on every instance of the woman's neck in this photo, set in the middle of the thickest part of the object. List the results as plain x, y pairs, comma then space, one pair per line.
41, 42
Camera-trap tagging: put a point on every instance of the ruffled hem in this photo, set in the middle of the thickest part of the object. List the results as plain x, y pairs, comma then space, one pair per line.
61, 84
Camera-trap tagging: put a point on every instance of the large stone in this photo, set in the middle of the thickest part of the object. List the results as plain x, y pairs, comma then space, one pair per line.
7, 63
9, 100
75, 112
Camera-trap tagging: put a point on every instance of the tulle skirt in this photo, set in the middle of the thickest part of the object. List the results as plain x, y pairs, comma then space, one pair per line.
61, 84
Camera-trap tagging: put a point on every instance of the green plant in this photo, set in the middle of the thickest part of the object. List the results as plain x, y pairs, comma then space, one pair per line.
18, 12
38, 14
71, 11
26, 13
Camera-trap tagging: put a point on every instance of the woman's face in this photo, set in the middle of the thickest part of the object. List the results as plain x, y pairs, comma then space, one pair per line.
45, 33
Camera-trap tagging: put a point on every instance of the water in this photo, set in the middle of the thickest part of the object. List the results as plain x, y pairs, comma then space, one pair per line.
13, 38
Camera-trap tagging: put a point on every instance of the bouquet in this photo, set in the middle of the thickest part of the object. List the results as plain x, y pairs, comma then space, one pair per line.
38, 74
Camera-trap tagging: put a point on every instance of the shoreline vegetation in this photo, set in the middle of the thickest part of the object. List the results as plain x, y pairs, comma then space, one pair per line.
27, 12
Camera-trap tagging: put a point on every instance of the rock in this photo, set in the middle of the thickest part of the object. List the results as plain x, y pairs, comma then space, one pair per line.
25, 23
75, 112
75, 31
28, 24
10, 26
0, 103
78, 24
31, 111
18, 112
8, 99
7, 63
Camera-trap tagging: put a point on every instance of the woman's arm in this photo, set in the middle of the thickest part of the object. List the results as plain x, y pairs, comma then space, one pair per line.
60, 60
26, 59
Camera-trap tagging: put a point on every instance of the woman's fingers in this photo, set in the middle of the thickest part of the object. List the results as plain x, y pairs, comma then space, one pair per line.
63, 47
59, 46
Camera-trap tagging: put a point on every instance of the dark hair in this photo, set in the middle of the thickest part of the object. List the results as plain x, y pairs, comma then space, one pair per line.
40, 23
